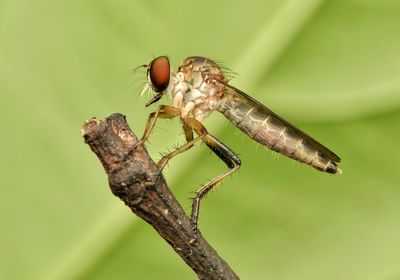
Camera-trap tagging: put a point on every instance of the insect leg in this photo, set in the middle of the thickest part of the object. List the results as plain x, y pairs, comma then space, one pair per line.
188, 132
190, 142
223, 152
163, 111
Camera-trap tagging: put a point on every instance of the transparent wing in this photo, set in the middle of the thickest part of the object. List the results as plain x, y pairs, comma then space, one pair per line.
249, 100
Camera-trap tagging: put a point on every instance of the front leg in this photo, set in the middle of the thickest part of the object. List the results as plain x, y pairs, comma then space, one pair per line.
163, 111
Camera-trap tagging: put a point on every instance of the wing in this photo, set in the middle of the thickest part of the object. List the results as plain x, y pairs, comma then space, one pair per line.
248, 99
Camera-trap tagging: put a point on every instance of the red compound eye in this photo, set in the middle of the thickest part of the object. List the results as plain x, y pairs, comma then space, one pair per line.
158, 73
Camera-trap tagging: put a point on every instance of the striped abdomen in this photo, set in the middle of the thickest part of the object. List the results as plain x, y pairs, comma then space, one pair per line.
268, 129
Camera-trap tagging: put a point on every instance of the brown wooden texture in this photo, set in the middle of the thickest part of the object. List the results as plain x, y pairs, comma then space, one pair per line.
132, 178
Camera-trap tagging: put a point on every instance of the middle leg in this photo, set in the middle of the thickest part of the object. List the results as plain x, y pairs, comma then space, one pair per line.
223, 152
220, 149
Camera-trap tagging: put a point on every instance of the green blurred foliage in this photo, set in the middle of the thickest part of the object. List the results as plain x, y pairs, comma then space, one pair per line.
330, 67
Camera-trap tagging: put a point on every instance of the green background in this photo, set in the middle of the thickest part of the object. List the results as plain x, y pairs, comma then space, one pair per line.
330, 67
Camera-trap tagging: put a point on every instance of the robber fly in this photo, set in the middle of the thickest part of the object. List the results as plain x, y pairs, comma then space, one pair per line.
200, 87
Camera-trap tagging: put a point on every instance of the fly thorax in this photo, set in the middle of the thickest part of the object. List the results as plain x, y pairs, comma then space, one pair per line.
198, 82
176, 90
201, 98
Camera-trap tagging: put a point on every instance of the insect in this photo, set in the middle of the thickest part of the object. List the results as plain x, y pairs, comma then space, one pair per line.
200, 87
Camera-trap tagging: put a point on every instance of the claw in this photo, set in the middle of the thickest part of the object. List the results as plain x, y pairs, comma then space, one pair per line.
140, 143
133, 149
161, 164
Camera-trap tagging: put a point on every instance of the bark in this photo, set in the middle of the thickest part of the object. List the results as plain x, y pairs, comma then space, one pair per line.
133, 177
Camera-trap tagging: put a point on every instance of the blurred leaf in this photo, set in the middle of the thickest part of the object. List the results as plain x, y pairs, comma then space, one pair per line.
330, 67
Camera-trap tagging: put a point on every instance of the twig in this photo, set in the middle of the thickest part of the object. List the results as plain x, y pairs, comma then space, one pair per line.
131, 177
